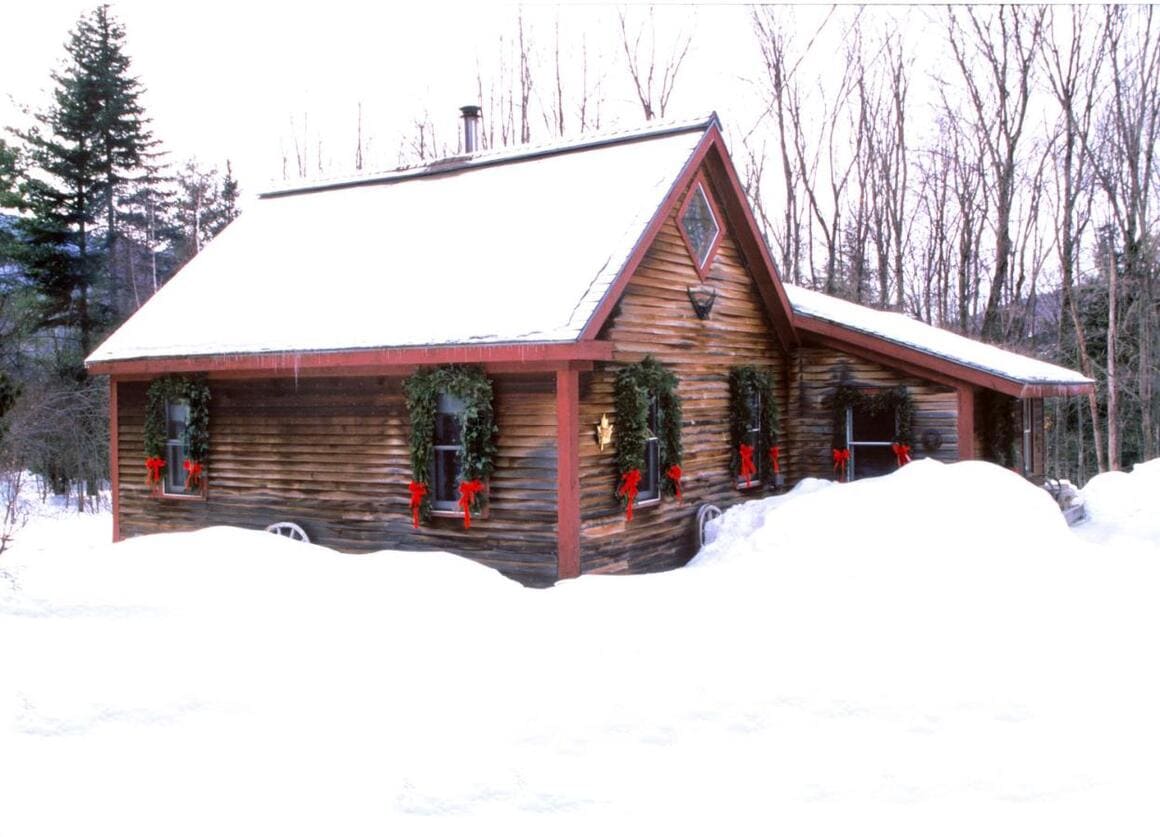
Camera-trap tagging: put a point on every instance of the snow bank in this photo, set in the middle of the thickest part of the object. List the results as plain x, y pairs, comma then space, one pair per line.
929, 652
1123, 508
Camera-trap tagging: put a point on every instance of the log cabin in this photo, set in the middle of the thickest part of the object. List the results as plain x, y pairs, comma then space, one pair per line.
545, 358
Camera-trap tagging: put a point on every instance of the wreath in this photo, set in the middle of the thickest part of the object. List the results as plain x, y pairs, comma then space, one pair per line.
478, 429
1001, 427
762, 460
892, 400
636, 386
195, 392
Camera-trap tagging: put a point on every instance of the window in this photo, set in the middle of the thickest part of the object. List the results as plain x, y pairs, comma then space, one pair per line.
176, 437
447, 453
650, 475
869, 436
752, 438
699, 227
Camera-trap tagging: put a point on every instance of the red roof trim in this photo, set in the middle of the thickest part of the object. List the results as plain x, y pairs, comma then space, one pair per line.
368, 361
753, 245
934, 367
739, 220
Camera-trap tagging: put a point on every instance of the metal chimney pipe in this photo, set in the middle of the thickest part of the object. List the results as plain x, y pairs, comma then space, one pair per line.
471, 118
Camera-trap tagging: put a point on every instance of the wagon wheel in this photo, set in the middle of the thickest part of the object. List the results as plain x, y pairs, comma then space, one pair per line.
706, 513
290, 530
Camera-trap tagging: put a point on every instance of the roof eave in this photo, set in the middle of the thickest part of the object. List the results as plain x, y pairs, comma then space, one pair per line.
936, 367
530, 356
710, 148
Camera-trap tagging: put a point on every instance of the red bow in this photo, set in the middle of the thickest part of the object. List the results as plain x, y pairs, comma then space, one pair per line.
193, 472
747, 467
628, 488
467, 492
774, 454
841, 460
902, 452
153, 467
674, 474
418, 491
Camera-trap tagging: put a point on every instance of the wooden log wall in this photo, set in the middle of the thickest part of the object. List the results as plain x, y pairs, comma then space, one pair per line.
332, 454
814, 373
655, 317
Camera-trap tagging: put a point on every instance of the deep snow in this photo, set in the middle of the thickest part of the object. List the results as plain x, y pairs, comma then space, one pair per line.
929, 652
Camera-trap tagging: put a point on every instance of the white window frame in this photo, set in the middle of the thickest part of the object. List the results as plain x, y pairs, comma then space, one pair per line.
652, 465
852, 445
753, 438
442, 504
176, 453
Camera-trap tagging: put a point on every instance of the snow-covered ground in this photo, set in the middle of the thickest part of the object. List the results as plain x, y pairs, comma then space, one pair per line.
932, 652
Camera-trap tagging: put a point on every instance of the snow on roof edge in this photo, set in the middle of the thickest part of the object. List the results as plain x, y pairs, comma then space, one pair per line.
930, 340
496, 157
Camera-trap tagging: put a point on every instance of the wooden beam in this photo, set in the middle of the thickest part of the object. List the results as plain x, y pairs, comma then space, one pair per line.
511, 356
966, 420
114, 459
567, 473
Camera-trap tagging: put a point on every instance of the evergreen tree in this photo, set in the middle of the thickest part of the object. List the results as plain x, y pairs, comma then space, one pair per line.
86, 149
206, 203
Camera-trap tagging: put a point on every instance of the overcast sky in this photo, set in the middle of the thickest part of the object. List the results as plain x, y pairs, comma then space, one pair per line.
225, 79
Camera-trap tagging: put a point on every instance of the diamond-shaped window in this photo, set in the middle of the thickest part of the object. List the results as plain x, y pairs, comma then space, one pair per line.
701, 229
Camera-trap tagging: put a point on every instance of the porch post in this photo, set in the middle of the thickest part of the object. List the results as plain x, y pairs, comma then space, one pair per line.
567, 473
966, 420
114, 459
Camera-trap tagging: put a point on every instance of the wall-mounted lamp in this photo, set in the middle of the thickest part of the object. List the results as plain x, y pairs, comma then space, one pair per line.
702, 298
604, 431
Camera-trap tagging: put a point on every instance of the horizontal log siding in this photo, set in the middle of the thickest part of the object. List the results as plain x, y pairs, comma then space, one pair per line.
655, 317
814, 375
332, 454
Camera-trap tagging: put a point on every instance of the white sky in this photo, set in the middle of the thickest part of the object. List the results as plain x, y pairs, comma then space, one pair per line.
224, 79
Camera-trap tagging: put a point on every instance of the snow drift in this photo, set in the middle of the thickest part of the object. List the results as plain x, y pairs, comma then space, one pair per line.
929, 652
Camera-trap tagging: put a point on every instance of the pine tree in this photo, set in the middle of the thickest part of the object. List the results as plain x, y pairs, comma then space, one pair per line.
86, 150
206, 203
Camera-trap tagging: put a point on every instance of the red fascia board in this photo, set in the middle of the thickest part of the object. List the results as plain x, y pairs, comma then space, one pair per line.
753, 245
932, 367
636, 256
516, 356
739, 219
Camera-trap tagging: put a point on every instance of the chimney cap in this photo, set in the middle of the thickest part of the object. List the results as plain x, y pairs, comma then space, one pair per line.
471, 111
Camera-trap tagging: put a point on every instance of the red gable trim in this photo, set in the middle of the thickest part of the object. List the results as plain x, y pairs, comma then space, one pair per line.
711, 151
368, 361
932, 367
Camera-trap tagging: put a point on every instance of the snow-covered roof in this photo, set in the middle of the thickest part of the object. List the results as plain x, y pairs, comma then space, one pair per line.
508, 247
908, 333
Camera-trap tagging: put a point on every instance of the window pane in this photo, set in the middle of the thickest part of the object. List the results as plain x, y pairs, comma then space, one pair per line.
699, 225
649, 488
445, 463
872, 428
872, 461
448, 429
755, 411
176, 419
174, 468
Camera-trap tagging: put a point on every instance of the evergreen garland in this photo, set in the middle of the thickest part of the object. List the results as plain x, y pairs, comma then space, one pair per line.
1001, 427
470, 385
193, 391
744, 381
636, 385
893, 400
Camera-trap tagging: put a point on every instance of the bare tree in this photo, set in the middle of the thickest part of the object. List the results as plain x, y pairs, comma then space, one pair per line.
1072, 63
1126, 168
640, 54
1005, 42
